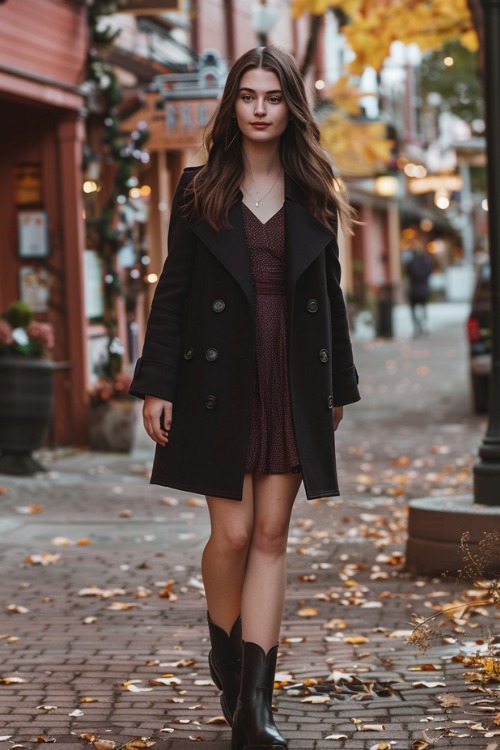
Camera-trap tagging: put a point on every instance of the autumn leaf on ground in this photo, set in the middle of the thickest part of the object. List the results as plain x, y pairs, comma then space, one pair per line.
336, 676
142, 592
283, 679
425, 668
45, 707
104, 593
307, 612
335, 624
216, 720
119, 606
17, 609
450, 699
61, 541
355, 639
138, 743
316, 699
42, 738
195, 502
371, 728
166, 592
104, 744
26, 509
182, 663
171, 501
132, 686
165, 681
428, 684
88, 699
11, 680
44, 558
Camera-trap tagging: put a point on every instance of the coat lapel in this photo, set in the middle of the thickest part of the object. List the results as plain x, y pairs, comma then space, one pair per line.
306, 237
230, 248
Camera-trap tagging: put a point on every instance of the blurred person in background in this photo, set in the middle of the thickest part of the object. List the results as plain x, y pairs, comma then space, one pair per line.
418, 270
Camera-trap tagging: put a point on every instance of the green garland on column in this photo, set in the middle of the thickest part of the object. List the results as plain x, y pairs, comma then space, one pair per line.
125, 152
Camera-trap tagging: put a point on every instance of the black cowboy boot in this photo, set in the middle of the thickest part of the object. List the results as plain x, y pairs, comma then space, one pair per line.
253, 722
224, 661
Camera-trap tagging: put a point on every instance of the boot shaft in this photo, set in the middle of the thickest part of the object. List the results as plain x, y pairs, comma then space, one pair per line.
258, 670
226, 647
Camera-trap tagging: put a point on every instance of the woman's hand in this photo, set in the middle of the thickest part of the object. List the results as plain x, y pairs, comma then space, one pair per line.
338, 416
157, 418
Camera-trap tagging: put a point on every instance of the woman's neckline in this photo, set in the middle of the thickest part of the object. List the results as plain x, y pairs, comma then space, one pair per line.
264, 223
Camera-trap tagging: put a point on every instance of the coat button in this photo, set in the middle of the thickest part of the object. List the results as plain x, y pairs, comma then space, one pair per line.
211, 402
323, 355
330, 402
189, 353
219, 306
211, 355
312, 305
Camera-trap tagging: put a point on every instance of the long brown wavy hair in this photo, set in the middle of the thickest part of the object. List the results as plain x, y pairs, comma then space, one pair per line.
215, 187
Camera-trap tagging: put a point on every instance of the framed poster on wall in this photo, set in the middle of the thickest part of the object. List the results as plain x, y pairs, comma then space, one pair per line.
34, 285
33, 234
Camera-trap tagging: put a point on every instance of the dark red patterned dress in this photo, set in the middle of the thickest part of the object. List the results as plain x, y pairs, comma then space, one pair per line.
271, 448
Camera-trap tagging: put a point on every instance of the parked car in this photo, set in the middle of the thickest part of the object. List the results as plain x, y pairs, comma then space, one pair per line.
479, 335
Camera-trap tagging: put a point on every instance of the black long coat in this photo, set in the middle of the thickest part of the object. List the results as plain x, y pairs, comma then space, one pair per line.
199, 350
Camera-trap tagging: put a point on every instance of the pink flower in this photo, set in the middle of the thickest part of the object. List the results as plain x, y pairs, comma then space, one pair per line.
42, 332
5, 333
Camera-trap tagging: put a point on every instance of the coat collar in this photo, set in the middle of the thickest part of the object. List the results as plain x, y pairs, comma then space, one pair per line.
306, 237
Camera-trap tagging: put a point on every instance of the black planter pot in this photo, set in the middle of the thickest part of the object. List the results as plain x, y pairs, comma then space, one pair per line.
26, 398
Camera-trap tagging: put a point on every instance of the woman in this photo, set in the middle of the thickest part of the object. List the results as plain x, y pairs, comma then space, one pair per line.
247, 362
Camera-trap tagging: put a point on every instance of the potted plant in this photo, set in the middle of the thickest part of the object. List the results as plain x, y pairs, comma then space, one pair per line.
26, 388
111, 409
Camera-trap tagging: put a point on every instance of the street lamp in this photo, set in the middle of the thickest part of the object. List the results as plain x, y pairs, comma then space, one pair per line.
264, 17
487, 470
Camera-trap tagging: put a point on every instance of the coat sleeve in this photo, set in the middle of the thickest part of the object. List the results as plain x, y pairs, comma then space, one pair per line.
345, 376
157, 370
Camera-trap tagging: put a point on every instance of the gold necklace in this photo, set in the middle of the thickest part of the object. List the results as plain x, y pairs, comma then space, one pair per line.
264, 196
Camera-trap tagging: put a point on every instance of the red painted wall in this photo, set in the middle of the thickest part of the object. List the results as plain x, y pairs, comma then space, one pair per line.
46, 37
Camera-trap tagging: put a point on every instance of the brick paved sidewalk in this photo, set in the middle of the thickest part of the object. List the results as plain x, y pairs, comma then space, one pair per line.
94, 625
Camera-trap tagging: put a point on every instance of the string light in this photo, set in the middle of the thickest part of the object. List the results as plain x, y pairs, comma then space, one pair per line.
90, 186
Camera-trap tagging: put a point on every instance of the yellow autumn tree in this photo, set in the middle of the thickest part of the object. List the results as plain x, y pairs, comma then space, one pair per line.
373, 25
370, 27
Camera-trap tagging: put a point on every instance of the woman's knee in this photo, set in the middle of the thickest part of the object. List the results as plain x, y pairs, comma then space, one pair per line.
232, 540
270, 538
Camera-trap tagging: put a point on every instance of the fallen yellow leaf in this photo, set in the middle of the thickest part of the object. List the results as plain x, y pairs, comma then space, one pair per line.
307, 612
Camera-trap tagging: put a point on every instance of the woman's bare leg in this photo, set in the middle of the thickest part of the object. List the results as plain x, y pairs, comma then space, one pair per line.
224, 557
265, 576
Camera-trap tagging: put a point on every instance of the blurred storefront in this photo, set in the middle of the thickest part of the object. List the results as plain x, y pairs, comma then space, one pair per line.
43, 47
